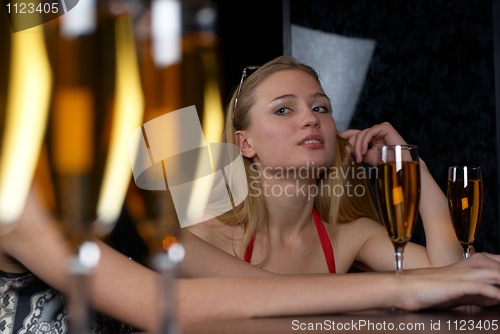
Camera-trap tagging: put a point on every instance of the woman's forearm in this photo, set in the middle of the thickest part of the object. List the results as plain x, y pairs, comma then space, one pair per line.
129, 292
442, 245
223, 298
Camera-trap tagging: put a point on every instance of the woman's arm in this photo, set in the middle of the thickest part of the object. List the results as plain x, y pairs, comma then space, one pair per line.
205, 260
128, 291
442, 246
293, 295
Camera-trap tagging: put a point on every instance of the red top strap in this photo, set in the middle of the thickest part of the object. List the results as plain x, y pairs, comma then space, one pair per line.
249, 250
323, 237
325, 242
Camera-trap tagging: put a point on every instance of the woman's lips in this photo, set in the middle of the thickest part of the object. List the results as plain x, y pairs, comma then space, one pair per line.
313, 142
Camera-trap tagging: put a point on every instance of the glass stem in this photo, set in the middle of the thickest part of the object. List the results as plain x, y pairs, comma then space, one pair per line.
79, 320
466, 248
167, 269
399, 259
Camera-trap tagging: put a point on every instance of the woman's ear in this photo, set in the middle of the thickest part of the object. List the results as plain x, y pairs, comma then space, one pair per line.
241, 138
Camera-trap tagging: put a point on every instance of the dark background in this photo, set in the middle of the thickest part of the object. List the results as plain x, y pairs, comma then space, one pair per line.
250, 33
432, 75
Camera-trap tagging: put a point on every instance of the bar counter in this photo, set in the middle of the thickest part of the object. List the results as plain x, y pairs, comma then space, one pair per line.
466, 319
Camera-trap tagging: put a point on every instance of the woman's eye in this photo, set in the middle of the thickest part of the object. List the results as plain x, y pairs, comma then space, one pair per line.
320, 109
282, 111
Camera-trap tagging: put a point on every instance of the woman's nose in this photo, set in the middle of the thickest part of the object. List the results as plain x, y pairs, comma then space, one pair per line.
311, 119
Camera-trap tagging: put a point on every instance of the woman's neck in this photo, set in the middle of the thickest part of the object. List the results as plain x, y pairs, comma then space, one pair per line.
289, 203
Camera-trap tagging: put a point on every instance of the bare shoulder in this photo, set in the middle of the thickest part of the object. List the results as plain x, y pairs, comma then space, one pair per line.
350, 239
360, 229
218, 234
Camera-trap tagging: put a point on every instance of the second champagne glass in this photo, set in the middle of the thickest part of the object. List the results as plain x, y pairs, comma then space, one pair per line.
176, 45
465, 201
96, 102
398, 194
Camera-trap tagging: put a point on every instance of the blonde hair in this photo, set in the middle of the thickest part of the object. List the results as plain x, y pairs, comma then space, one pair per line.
252, 212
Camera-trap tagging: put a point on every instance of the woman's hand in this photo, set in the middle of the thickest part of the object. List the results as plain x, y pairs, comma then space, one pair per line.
479, 261
473, 281
364, 141
448, 287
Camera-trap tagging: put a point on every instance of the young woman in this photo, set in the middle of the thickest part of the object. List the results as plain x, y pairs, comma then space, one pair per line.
127, 291
309, 209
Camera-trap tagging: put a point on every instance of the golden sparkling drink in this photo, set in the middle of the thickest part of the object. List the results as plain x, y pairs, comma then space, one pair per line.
398, 198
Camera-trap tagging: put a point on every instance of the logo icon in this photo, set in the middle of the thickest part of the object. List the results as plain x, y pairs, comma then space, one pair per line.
25, 14
205, 180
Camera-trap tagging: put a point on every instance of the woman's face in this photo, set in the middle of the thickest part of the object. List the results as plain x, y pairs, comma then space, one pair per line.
291, 124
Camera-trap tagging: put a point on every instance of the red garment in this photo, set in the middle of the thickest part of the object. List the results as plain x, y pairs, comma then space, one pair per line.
323, 236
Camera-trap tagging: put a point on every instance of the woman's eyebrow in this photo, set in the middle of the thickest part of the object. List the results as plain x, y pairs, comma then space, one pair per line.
319, 94
286, 96
293, 96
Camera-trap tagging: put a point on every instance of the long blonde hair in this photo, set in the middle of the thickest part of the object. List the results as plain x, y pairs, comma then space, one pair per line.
252, 212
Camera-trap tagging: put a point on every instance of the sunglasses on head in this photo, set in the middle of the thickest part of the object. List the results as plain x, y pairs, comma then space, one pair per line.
246, 72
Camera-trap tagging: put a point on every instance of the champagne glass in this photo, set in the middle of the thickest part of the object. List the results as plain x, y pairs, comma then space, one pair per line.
398, 194
23, 114
96, 102
465, 201
178, 71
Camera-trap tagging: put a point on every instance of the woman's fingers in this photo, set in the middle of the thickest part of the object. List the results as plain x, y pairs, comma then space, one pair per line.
355, 138
493, 257
349, 133
452, 287
364, 140
480, 260
472, 294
